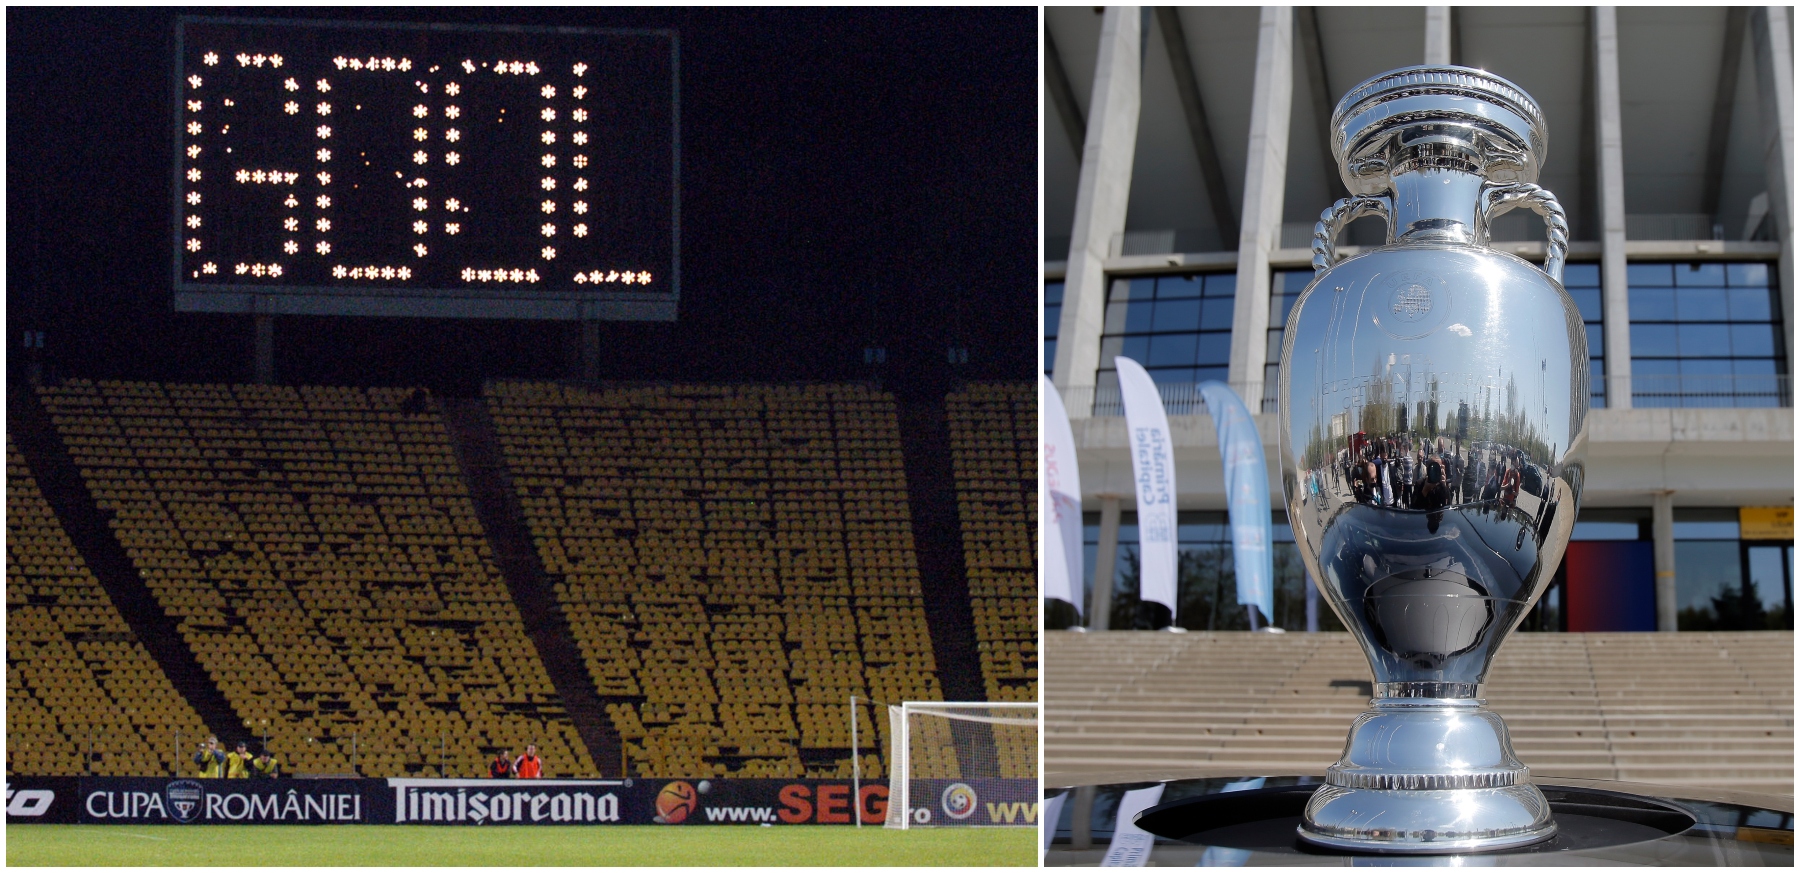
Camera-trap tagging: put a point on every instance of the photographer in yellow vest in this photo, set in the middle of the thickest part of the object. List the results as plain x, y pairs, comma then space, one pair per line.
210, 759
237, 764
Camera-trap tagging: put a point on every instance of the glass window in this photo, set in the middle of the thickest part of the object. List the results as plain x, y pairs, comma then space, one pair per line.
1652, 304
1177, 287
1588, 301
1705, 334
1701, 304
1216, 313
1053, 295
1284, 290
1178, 327
1172, 350
1653, 339
1704, 339
1751, 304
1704, 569
1582, 281
1640, 275
1701, 275
1724, 583
1170, 313
1206, 588
1215, 349
1140, 314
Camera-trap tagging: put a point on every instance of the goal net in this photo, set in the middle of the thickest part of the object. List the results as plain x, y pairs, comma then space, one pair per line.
963, 765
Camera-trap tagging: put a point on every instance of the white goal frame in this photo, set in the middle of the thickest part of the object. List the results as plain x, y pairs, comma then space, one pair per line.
899, 760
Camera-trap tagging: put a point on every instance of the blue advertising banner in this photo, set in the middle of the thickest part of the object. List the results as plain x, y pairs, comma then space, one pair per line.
122, 800
1246, 496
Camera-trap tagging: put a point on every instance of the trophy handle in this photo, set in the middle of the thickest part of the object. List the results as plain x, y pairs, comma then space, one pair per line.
1499, 198
1332, 220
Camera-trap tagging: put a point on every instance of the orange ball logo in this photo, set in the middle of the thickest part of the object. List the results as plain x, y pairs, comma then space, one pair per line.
675, 802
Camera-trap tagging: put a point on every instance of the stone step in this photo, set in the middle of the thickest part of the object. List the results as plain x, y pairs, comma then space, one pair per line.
1663, 708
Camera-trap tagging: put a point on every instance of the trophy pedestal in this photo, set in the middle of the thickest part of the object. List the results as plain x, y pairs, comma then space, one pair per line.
1247, 821
1427, 775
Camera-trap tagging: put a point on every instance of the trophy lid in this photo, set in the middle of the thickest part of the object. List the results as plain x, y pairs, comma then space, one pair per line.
1494, 121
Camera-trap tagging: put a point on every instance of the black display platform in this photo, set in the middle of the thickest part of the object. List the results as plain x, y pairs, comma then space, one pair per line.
1263, 820
1251, 822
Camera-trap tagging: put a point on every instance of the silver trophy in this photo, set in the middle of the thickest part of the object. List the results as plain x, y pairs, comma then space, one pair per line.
1434, 398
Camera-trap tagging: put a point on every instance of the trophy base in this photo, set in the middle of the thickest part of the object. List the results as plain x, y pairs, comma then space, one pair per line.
1427, 822
1427, 776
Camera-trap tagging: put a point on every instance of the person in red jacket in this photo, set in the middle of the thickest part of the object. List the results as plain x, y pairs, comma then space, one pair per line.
529, 765
502, 766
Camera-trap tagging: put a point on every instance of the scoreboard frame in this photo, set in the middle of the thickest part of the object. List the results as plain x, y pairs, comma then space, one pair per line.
415, 301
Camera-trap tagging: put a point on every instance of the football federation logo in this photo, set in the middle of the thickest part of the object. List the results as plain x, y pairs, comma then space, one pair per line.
1413, 305
1411, 302
184, 799
675, 802
959, 801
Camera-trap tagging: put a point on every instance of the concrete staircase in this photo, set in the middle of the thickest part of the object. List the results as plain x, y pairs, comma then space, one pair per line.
1701, 709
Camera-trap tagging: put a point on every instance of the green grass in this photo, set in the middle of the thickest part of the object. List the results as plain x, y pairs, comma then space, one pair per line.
600, 845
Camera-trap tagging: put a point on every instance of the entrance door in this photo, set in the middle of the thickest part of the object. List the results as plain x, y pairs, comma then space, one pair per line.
1770, 568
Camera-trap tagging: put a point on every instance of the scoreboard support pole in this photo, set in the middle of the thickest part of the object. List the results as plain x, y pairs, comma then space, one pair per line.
590, 350
264, 360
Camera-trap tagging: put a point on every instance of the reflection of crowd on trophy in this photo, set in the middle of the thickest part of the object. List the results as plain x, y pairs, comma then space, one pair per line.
1404, 471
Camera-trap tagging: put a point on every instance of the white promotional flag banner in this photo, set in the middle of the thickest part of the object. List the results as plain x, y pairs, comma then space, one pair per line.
1059, 494
1153, 465
1050, 817
1131, 844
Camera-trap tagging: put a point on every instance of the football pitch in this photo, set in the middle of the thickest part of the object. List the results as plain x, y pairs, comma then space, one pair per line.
403, 845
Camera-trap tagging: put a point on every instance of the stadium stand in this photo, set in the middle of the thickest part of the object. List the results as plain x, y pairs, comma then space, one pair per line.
993, 438
729, 566
734, 562
320, 550
1700, 709
82, 694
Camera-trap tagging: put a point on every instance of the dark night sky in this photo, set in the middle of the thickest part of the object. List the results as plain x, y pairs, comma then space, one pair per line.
848, 178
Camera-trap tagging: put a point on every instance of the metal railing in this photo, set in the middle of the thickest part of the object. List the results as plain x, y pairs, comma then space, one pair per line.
1701, 392
1179, 398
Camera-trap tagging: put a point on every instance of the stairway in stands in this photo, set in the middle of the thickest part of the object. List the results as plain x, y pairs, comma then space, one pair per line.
497, 507
91, 533
937, 536
937, 539
1695, 709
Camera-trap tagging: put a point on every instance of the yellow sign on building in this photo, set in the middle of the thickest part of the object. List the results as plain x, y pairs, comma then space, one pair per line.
1766, 522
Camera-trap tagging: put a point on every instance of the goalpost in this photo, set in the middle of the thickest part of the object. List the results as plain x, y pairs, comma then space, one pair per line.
962, 765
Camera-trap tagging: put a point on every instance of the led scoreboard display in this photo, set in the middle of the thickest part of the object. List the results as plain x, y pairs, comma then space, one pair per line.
448, 171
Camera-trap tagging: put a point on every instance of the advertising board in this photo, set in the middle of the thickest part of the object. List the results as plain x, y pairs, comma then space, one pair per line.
144, 801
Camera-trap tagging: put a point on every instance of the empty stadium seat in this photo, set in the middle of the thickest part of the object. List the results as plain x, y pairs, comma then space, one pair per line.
993, 447
735, 562
83, 696
321, 552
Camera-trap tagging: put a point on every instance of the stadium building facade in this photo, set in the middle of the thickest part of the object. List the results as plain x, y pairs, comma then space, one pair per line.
1186, 161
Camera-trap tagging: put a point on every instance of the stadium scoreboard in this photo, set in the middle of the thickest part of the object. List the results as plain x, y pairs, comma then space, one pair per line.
432, 170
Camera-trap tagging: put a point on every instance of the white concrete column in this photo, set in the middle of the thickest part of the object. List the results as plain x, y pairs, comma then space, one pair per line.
1105, 560
1265, 188
1616, 297
1437, 34
1772, 36
1101, 197
1662, 535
